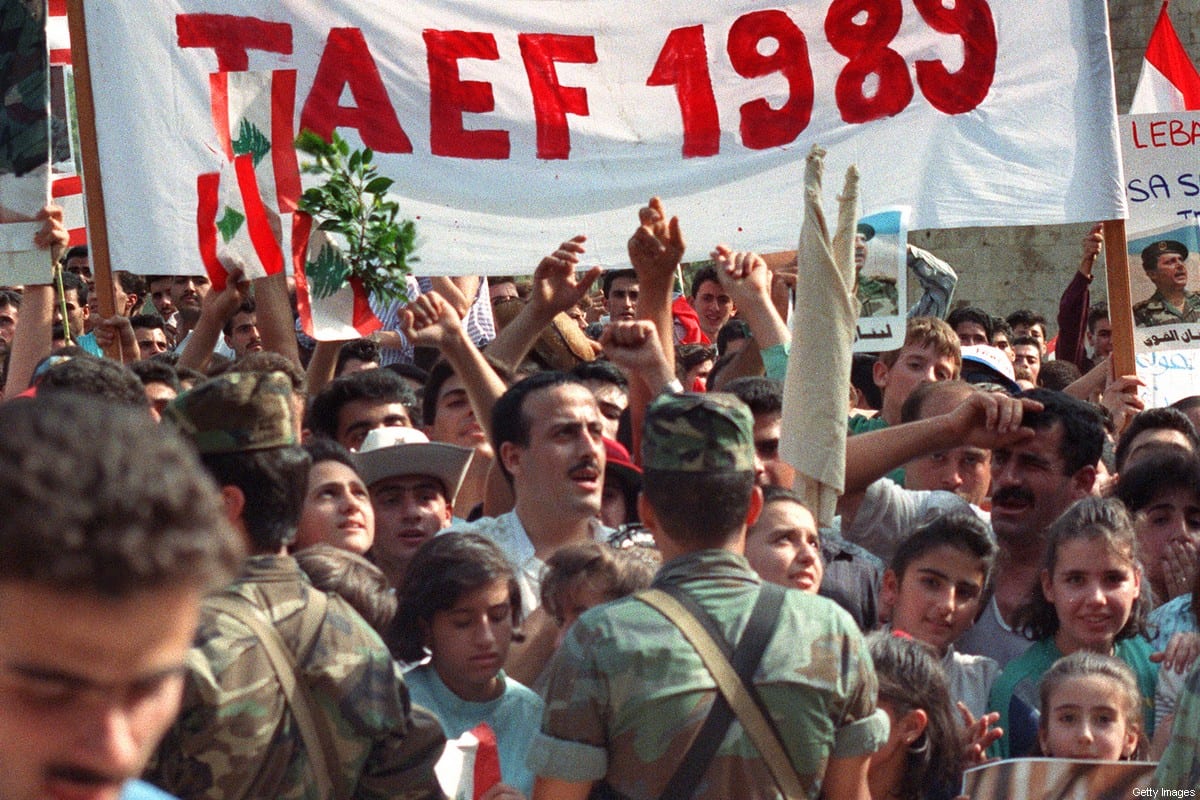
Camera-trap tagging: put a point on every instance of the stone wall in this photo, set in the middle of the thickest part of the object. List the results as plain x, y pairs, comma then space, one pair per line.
1003, 269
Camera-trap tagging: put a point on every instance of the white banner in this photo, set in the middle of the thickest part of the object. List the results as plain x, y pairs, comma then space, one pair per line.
510, 126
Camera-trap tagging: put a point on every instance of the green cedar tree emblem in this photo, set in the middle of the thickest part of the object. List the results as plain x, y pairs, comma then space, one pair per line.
230, 223
328, 273
251, 140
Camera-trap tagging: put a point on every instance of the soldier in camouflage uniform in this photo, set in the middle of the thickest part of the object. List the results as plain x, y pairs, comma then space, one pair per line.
1165, 263
877, 294
238, 735
627, 693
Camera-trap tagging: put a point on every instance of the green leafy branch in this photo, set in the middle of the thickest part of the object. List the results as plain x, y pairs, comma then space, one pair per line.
352, 201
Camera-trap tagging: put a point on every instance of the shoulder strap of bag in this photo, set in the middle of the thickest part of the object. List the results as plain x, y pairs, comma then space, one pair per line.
314, 731
737, 695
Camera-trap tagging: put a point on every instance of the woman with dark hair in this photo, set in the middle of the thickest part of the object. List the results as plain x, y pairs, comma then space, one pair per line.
922, 759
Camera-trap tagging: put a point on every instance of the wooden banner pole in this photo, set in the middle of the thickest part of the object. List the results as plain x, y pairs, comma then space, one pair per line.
97, 230
1120, 299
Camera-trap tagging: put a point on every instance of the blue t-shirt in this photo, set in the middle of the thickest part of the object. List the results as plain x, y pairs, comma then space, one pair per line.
137, 790
514, 716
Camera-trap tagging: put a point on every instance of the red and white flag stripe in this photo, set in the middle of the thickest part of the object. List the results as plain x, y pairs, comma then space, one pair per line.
1169, 81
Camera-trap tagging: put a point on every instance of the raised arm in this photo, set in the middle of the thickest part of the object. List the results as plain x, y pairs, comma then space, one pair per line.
31, 340
555, 288
214, 310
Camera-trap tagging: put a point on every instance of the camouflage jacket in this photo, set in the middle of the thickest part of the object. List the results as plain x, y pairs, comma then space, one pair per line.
235, 737
627, 693
877, 297
1157, 311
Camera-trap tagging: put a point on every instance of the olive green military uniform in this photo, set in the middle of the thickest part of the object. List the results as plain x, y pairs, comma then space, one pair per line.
877, 297
1158, 311
627, 693
235, 736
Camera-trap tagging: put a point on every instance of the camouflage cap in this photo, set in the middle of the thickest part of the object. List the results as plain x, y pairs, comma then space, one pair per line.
236, 412
711, 432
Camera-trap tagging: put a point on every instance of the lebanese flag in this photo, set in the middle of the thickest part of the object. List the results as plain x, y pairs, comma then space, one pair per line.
331, 307
253, 113
1169, 81
234, 227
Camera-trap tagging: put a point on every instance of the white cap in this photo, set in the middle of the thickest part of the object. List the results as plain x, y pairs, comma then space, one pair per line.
391, 452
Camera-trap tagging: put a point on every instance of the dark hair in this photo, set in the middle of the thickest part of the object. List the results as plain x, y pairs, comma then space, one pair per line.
72, 281
1155, 419
862, 377
130, 283
443, 570
601, 370
1083, 426
438, 375
612, 573
972, 314
1163, 470
962, 530
248, 306
732, 331
705, 273
409, 371
321, 449
148, 372
97, 498
147, 321
1026, 317
363, 350
762, 395
378, 385
1058, 374
1091, 519
610, 277
1187, 403
1086, 664
910, 678
96, 377
75, 251
1025, 340
1000, 325
10, 298
509, 423
1098, 312
699, 507
273, 482
356, 580
688, 356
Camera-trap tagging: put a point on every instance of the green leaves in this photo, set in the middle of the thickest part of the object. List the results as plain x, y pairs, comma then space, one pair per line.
230, 223
351, 202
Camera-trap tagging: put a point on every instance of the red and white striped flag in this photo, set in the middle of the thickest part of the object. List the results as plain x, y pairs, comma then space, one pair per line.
331, 307
1169, 81
65, 187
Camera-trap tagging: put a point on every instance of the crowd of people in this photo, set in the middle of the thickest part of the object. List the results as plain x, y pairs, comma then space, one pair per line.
534, 538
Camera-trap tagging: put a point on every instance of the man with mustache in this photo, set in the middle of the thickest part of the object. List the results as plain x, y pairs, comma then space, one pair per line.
1165, 263
1033, 483
546, 433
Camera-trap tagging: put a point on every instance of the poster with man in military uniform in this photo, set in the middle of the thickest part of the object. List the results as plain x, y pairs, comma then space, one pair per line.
24, 138
880, 242
1163, 265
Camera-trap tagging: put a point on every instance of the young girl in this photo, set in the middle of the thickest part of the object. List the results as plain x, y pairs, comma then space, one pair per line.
580, 576
1090, 708
1089, 598
783, 545
922, 759
337, 508
460, 604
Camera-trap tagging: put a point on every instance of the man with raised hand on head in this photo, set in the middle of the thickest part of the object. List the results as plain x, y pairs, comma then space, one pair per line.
627, 692
110, 533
